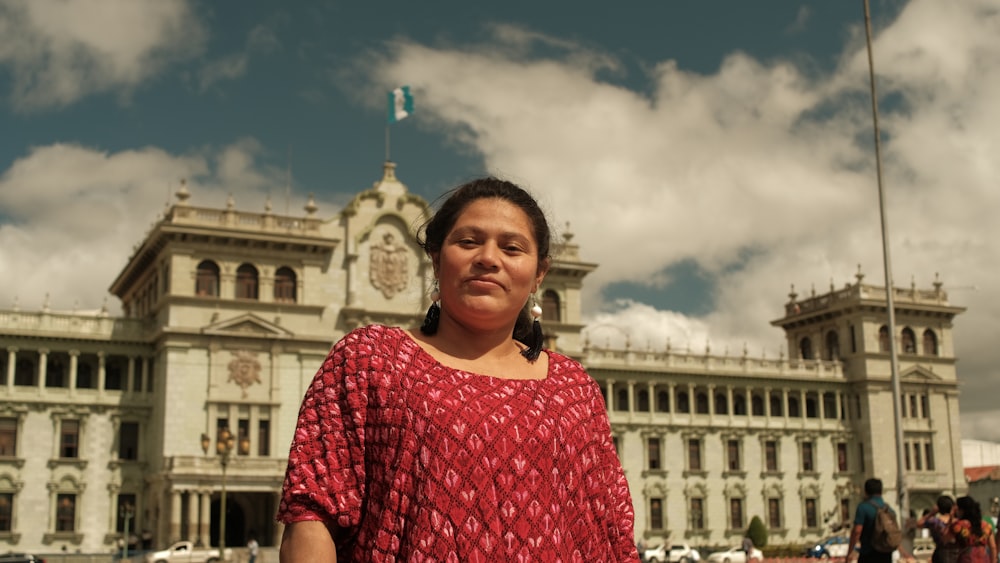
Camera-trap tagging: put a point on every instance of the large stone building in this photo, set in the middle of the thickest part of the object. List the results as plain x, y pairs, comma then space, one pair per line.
114, 423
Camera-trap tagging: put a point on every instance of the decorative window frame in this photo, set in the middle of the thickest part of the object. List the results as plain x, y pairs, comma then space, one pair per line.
67, 484
10, 483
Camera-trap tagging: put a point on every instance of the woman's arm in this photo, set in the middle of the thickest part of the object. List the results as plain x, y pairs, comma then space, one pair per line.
307, 542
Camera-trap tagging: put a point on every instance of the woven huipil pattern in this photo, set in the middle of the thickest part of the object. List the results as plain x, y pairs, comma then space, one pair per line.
414, 461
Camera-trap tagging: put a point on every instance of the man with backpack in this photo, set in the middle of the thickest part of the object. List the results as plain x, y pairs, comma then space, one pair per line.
876, 527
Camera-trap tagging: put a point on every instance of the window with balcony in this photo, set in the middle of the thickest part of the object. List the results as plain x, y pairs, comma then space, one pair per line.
696, 513
808, 461
285, 285
247, 282
810, 513
656, 513
65, 512
8, 437
842, 457
69, 439
6, 512
774, 513
771, 456
206, 282
736, 514
653, 447
694, 454
733, 455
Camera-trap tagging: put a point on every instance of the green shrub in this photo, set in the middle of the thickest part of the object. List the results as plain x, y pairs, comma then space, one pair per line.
757, 532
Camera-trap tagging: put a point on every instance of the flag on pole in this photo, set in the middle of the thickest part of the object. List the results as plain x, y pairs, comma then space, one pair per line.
400, 104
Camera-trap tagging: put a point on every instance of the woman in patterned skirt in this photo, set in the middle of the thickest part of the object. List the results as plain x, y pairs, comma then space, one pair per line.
462, 441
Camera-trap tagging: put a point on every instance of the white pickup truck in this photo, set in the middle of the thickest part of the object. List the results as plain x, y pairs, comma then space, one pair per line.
186, 551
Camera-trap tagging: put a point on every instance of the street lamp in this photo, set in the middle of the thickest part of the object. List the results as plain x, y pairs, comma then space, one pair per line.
224, 448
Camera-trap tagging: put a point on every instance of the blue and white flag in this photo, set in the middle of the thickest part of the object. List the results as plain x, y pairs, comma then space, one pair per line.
400, 104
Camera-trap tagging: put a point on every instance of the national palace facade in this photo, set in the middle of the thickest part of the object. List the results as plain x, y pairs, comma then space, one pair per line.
108, 422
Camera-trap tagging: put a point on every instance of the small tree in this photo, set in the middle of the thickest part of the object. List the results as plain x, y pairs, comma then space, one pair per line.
757, 532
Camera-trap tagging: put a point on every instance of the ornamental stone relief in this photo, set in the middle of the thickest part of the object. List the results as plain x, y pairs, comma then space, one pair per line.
388, 272
244, 370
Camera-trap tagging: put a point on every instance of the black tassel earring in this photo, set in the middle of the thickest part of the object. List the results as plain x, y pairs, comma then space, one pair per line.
534, 349
430, 326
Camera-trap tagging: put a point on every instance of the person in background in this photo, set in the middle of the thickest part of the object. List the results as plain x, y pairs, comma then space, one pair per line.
972, 535
864, 529
252, 548
936, 520
462, 440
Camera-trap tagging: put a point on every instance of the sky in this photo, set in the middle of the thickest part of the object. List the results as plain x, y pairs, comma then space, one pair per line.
707, 155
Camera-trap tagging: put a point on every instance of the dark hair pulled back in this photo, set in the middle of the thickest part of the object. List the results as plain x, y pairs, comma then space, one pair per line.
432, 234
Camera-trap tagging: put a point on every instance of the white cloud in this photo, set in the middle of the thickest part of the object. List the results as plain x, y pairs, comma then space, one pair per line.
60, 50
72, 213
757, 156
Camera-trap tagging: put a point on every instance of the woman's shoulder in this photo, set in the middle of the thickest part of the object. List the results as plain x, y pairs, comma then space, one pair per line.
567, 367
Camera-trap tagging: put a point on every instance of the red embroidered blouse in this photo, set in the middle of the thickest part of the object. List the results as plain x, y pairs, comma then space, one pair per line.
416, 461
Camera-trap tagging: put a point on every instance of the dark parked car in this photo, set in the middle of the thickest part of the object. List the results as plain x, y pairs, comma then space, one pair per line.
835, 546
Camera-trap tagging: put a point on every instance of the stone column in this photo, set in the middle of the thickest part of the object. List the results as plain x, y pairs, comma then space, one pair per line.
100, 373
43, 367
11, 364
206, 517
129, 387
671, 403
175, 516
193, 531
74, 357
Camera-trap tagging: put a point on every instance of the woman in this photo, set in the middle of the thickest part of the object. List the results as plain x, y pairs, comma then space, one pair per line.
972, 536
462, 441
936, 520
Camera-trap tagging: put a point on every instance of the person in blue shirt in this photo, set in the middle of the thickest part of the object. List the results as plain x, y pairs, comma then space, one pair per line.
864, 526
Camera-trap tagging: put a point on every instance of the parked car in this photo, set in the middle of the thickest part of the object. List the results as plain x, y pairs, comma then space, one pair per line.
735, 555
187, 552
834, 546
20, 558
675, 553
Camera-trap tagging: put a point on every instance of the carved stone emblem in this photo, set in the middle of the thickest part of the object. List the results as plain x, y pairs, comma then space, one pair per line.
244, 369
388, 270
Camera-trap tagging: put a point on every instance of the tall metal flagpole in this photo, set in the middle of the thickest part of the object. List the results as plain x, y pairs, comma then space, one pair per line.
904, 501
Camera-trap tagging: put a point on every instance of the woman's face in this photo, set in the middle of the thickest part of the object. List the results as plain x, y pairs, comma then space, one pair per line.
488, 265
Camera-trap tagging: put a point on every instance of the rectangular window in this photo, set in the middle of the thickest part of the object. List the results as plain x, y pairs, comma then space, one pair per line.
810, 506
115, 371
771, 455
774, 513
925, 407
735, 514
128, 441
697, 514
842, 457
264, 438
69, 439
65, 513
913, 406
656, 513
733, 455
694, 454
845, 511
8, 437
918, 458
807, 457
243, 436
902, 406
126, 511
6, 512
653, 445
929, 456
906, 455
861, 457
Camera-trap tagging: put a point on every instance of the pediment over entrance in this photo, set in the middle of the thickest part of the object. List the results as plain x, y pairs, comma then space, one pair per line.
247, 325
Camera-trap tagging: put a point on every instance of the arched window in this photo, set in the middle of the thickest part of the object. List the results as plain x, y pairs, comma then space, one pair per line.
622, 400
793, 407
883, 339
642, 401
806, 348
832, 346
25, 372
683, 404
908, 341
740, 405
776, 405
284, 285
721, 404
550, 306
757, 405
662, 401
812, 406
701, 403
206, 282
246, 282
930, 343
